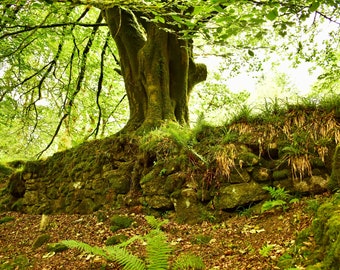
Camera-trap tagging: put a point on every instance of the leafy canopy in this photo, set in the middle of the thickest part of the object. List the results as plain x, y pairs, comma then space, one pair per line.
60, 78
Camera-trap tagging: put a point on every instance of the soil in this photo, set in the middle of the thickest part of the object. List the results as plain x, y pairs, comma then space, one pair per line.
237, 242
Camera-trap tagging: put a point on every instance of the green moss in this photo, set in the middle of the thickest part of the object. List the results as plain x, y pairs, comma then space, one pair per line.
56, 247
116, 239
120, 222
41, 240
334, 182
281, 174
5, 170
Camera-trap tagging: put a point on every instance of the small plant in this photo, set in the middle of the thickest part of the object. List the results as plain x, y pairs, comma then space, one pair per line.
6, 219
201, 239
157, 248
19, 262
265, 250
280, 198
188, 261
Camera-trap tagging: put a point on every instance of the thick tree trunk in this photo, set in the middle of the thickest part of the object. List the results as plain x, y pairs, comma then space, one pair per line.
158, 70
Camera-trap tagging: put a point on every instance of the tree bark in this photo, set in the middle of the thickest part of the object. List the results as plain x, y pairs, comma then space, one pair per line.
158, 70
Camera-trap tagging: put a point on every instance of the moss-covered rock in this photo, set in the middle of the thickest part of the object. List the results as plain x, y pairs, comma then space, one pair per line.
41, 240
236, 195
120, 222
334, 182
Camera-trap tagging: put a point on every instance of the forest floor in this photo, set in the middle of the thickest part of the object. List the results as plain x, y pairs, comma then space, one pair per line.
238, 242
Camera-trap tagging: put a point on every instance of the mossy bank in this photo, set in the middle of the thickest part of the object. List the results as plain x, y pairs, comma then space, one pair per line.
198, 174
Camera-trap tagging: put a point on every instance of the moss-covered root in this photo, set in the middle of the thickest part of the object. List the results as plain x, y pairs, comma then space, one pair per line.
334, 183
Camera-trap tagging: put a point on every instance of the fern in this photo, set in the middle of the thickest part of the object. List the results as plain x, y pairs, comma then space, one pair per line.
188, 261
85, 247
123, 257
155, 223
158, 250
277, 193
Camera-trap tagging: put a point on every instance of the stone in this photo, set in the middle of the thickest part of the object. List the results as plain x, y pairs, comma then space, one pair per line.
119, 183
159, 202
236, 195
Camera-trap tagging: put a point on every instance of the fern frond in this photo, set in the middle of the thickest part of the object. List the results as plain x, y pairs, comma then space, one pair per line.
85, 247
125, 258
129, 241
156, 223
158, 250
188, 261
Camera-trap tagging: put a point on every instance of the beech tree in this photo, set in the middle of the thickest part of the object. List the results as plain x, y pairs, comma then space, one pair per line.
154, 41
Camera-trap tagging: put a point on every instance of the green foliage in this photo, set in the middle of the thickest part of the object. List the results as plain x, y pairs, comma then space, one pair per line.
6, 219
116, 239
266, 250
19, 262
201, 239
156, 223
277, 193
280, 198
187, 262
158, 251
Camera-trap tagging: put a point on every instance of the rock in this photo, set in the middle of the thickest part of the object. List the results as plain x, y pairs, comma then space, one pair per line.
236, 195
159, 202
187, 206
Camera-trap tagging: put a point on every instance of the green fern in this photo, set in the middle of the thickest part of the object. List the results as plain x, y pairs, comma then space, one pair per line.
158, 250
188, 261
156, 223
123, 257
277, 193
280, 199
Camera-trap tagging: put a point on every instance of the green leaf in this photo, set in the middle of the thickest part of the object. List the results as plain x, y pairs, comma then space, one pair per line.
251, 53
159, 19
314, 6
273, 14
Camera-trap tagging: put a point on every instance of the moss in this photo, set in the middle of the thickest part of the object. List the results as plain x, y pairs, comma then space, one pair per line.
116, 239
5, 170
41, 240
334, 182
120, 222
281, 174
56, 247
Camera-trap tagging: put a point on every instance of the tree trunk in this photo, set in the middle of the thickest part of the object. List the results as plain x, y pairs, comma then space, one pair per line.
157, 68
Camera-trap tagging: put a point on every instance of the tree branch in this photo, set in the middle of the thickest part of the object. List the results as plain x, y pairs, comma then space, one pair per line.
28, 28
